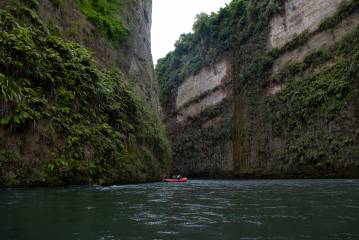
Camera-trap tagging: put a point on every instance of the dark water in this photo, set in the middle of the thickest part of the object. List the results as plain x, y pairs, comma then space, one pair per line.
297, 209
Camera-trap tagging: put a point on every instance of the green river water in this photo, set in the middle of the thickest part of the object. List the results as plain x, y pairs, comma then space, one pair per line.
198, 209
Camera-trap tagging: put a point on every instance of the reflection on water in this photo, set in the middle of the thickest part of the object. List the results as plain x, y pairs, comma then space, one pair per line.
276, 209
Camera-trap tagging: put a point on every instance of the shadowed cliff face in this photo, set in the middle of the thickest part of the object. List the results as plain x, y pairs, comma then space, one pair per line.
282, 108
136, 57
79, 101
133, 56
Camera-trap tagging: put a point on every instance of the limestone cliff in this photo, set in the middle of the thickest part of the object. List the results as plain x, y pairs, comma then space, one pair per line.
133, 56
137, 57
79, 99
264, 90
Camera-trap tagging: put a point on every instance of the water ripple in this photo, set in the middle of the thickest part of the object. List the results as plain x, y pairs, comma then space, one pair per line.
261, 209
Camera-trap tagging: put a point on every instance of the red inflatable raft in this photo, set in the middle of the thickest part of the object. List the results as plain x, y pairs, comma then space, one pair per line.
175, 180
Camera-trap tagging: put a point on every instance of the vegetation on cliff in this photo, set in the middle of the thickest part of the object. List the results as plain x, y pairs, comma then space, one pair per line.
213, 36
310, 127
64, 120
317, 111
104, 15
313, 119
240, 25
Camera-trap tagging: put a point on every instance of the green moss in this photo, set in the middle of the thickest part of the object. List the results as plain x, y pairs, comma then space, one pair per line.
100, 131
103, 14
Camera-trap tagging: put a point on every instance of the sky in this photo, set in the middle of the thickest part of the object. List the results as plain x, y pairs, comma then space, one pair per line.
171, 18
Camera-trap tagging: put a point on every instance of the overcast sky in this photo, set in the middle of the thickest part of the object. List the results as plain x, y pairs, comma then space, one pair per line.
171, 18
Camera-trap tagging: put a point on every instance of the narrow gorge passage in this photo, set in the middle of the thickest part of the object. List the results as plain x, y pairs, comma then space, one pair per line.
100, 139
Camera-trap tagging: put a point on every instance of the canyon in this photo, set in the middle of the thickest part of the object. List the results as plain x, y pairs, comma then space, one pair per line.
260, 89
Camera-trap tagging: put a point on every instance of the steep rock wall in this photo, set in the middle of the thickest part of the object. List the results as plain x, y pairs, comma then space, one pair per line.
69, 113
133, 56
206, 80
300, 16
196, 131
271, 138
274, 125
206, 138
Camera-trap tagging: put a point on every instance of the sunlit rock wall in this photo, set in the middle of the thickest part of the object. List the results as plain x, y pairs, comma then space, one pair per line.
196, 108
300, 16
205, 89
206, 80
202, 115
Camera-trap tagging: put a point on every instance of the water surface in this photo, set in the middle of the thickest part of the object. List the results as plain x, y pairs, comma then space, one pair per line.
268, 209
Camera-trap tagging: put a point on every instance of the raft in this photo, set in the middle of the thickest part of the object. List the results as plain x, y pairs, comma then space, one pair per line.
175, 180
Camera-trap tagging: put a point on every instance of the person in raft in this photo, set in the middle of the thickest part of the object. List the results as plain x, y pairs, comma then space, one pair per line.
178, 177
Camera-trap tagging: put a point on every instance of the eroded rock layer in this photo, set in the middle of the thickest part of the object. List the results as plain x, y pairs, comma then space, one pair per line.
271, 92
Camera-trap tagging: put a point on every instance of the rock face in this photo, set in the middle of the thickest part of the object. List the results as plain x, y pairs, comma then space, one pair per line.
133, 57
300, 16
206, 80
213, 101
323, 38
203, 90
136, 57
74, 68
195, 109
195, 133
274, 148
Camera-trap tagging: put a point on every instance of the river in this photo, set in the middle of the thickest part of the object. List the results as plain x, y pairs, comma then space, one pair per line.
198, 209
